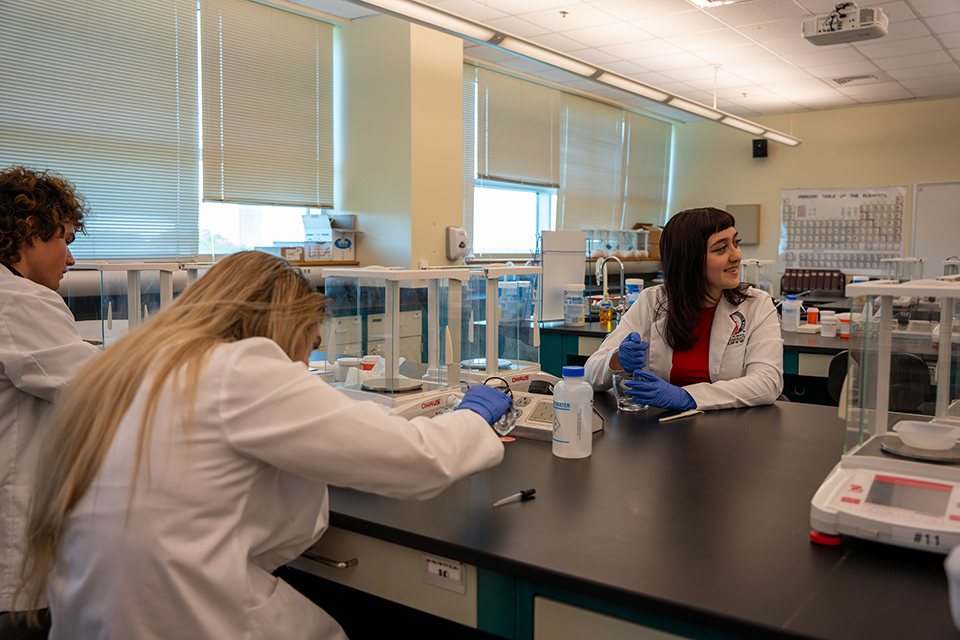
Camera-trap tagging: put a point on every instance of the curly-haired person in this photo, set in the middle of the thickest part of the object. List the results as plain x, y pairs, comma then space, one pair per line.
40, 349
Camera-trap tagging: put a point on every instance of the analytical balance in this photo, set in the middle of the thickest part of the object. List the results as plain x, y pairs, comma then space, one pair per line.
405, 317
500, 334
883, 489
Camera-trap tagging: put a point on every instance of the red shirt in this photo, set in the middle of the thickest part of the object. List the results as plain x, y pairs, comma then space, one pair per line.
693, 365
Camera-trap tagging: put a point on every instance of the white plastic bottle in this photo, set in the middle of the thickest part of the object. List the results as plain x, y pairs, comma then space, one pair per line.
790, 314
572, 415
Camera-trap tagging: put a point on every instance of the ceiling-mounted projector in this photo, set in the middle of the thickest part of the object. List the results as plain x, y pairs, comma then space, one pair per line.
846, 23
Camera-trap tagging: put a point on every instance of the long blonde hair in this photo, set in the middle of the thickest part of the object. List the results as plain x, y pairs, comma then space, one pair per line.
245, 295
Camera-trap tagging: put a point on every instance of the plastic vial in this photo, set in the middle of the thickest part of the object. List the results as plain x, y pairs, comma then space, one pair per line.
572, 415
790, 314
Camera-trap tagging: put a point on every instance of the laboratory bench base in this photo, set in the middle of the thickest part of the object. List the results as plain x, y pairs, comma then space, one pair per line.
367, 617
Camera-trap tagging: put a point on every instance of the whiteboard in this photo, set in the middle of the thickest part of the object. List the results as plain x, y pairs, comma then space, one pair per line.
936, 224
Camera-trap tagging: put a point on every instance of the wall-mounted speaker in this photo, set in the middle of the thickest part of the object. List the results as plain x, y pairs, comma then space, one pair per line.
760, 148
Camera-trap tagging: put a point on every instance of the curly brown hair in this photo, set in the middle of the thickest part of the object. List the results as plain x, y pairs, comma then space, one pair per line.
48, 197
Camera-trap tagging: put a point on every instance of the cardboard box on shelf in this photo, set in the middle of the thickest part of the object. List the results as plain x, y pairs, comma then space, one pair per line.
292, 254
653, 240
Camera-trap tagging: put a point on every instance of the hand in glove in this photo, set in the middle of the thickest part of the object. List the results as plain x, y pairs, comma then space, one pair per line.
632, 352
651, 390
490, 403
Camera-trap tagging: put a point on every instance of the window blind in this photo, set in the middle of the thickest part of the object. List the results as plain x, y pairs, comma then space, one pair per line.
591, 178
107, 96
647, 162
518, 130
469, 148
267, 105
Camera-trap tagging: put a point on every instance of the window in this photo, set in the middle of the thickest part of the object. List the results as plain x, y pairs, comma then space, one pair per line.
539, 158
107, 97
508, 218
267, 126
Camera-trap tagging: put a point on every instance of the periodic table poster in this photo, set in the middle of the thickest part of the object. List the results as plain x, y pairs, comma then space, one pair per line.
846, 229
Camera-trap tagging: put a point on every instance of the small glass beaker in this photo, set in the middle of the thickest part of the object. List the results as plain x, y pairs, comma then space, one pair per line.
625, 402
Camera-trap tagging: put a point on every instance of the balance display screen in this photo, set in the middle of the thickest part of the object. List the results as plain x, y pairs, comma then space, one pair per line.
916, 495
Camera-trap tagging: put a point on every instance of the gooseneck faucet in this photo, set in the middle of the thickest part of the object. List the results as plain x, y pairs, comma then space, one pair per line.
601, 276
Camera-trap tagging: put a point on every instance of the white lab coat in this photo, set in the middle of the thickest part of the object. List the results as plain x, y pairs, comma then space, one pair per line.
40, 350
234, 494
745, 359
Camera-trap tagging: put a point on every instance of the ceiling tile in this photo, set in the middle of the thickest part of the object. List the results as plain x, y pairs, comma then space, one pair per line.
856, 90
478, 11
708, 40
728, 55
825, 57
899, 47
756, 12
925, 72
725, 81
676, 61
818, 7
558, 42
633, 10
929, 8
678, 23
517, 27
594, 56
579, 16
777, 30
805, 97
903, 31
937, 91
915, 60
812, 84
892, 96
772, 77
680, 88
945, 24
842, 70
697, 72
760, 66
651, 77
617, 33
510, 6
742, 92
921, 83
626, 68
951, 40
796, 45
645, 49
896, 11
825, 102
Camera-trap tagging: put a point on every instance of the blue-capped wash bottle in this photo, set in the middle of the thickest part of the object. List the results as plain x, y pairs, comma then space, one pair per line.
572, 415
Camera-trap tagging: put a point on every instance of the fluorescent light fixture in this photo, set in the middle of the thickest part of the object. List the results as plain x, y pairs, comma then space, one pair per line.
694, 108
781, 138
632, 86
433, 17
743, 125
547, 56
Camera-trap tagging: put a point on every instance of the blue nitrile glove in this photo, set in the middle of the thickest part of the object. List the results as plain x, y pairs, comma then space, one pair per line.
490, 403
633, 352
651, 390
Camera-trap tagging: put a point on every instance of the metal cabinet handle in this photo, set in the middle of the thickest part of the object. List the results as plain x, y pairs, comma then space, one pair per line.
336, 564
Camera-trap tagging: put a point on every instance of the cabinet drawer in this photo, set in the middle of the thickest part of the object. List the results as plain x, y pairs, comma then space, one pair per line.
393, 572
553, 620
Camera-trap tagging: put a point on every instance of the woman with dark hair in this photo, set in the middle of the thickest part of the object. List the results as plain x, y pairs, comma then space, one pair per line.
702, 339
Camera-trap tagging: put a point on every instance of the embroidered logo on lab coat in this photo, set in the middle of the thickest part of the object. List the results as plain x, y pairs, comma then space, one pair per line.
739, 328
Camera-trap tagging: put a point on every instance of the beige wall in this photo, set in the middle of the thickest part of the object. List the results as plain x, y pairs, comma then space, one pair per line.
399, 151
876, 146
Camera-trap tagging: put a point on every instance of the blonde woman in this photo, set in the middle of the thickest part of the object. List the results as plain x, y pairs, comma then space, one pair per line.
192, 459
